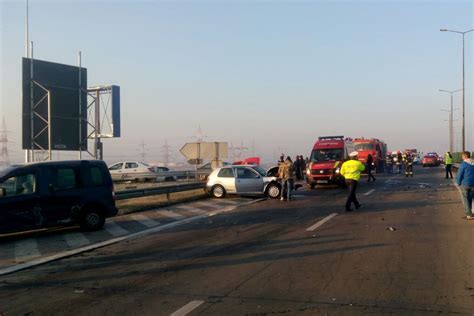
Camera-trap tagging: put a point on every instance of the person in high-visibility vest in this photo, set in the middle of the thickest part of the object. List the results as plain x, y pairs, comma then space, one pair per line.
351, 171
448, 162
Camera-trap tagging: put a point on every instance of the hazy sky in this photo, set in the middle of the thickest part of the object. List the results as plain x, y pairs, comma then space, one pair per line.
277, 73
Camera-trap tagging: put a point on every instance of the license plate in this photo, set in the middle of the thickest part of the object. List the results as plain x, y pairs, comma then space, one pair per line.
322, 181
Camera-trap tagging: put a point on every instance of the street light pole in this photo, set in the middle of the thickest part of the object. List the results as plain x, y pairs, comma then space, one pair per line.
463, 87
451, 125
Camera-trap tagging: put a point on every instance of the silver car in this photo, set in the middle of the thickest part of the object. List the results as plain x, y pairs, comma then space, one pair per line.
242, 180
132, 171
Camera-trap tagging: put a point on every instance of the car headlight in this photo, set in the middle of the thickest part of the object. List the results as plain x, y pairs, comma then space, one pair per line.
308, 171
338, 170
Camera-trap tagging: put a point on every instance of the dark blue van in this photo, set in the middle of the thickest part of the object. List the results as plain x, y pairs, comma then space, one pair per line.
51, 194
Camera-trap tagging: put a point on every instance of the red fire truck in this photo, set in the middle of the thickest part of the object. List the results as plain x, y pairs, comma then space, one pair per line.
327, 156
374, 147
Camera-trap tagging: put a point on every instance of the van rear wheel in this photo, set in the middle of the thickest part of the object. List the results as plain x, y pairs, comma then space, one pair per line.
93, 219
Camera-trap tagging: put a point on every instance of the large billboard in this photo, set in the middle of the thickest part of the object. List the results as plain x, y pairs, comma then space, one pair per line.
62, 82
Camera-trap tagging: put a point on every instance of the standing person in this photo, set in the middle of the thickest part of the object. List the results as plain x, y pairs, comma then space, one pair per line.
297, 166
399, 162
448, 162
389, 163
409, 165
351, 171
465, 179
370, 163
285, 173
303, 167
282, 159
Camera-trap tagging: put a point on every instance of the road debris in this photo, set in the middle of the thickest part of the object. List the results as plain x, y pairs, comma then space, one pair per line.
392, 229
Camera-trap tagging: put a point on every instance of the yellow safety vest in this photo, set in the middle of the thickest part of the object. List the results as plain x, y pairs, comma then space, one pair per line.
448, 160
351, 169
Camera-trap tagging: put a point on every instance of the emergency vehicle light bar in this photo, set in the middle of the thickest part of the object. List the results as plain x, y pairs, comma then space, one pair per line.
330, 137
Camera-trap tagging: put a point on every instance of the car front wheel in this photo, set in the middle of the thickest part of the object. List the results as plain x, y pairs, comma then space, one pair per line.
273, 191
93, 219
218, 191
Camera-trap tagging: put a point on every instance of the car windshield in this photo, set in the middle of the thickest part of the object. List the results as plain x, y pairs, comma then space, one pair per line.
261, 171
364, 146
321, 155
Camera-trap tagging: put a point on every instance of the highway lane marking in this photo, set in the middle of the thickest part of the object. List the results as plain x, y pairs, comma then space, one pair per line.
370, 192
186, 309
191, 209
321, 222
142, 219
228, 201
171, 214
72, 252
208, 204
75, 240
26, 249
115, 229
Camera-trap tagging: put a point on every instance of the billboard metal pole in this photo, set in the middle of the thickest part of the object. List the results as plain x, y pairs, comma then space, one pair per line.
32, 104
50, 157
27, 54
97, 126
80, 107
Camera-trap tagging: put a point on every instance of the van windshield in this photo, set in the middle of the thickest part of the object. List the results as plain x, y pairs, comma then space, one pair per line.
321, 155
364, 146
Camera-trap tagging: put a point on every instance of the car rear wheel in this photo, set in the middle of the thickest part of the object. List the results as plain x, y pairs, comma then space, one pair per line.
273, 191
93, 219
218, 191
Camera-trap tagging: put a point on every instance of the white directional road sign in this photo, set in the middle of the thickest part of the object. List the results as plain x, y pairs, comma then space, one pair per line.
205, 150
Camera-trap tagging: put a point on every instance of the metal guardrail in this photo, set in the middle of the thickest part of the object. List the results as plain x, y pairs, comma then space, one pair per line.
128, 194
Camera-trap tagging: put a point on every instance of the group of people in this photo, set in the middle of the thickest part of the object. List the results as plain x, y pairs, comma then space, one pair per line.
400, 161
352, 169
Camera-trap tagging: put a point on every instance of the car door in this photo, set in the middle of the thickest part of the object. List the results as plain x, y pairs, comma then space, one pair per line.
248, 181
226, 177
20, 205
131, 171
116, 171
65, 192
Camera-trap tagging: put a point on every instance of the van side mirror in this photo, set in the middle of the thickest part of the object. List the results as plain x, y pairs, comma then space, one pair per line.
3, 192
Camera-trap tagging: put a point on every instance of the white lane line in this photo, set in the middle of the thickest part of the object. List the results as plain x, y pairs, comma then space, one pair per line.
26, 249
186, 309
170, 214
229, 201
72, 252
321, 222
209, 204
191, 209
115, 229
388, 181
370, 192
75, 240
142, 219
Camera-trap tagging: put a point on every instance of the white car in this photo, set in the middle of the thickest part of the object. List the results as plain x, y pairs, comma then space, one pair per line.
132, 171
165, 174
242, 180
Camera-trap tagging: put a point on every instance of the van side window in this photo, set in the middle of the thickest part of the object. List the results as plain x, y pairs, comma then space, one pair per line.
63, 179
96, 176
19, 185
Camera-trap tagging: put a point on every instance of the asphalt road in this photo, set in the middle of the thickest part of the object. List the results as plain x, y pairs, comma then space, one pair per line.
261, 259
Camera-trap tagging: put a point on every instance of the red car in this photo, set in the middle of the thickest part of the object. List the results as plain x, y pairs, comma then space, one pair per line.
430, 161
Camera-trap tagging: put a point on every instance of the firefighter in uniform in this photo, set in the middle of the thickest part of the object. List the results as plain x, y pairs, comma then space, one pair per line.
408, 165
351, 171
